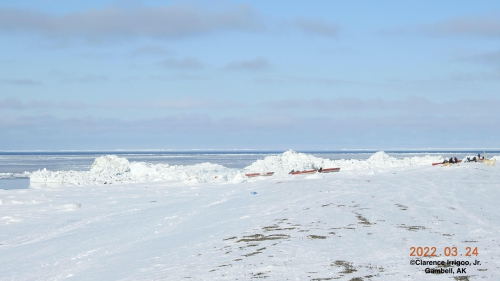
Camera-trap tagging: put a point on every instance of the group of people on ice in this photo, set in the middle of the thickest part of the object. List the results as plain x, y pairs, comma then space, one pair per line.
452, 160
474, 159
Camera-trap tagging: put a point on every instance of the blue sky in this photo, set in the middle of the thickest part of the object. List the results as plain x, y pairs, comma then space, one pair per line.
249, 74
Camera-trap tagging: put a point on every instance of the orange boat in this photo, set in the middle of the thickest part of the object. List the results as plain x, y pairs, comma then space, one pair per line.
303, 172
266, 174
328, 170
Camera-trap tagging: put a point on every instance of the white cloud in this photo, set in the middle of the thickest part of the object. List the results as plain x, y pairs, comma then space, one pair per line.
11, 103
187, 63
410, 104
415, 105
89, 78
488, 26
173, 104
112, 22
150, 50
272, 130
492, 57
21, 82
317, 27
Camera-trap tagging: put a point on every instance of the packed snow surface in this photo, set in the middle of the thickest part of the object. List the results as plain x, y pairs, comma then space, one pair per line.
153, 224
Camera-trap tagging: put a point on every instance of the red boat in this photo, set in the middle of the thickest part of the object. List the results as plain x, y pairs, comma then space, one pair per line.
439, 163
328, 170
266, 174
304, 172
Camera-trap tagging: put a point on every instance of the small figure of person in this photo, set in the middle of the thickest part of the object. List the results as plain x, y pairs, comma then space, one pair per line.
455, 159
451, 160
320, 169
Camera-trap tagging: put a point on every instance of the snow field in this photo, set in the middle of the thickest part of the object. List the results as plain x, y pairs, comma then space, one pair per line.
357, 224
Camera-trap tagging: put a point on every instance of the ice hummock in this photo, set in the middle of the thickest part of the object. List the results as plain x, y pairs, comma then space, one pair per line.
291, 160
111, 169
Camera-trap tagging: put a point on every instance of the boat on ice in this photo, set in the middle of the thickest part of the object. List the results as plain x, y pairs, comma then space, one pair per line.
328, 170
303, 172
320, 170
439, 163
264, 174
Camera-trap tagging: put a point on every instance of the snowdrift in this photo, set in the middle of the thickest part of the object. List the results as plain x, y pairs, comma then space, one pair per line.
111, 169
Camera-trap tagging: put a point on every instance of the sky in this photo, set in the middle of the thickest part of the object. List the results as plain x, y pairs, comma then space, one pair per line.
316, 75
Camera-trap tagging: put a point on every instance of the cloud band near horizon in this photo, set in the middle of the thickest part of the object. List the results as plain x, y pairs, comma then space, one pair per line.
263, 131
342, 104
167, 22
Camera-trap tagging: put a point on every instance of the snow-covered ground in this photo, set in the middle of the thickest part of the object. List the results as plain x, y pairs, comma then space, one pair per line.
137, 221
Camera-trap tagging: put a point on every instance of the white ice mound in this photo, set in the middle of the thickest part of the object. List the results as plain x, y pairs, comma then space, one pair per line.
291, 160
110, 169
105, 170
382, 159
204, 172
287, 161
110, 164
